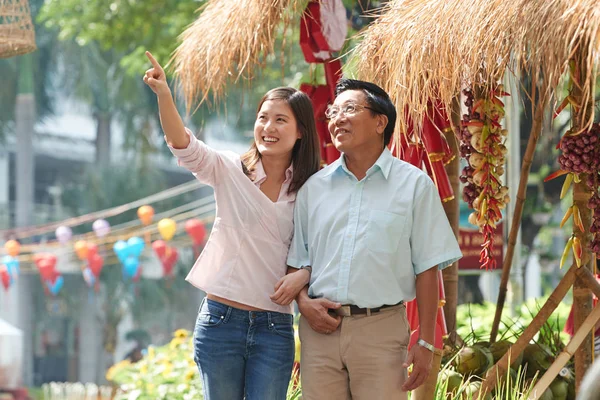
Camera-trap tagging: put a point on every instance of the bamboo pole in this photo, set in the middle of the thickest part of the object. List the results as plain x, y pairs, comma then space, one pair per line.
562, 359
452, 209
589, 280
500, 368
534, 135
582, 296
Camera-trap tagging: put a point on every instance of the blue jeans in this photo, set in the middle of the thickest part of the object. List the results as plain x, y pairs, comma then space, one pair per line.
243, 354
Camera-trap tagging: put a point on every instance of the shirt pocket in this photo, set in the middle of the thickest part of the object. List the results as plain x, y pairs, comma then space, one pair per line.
384, 231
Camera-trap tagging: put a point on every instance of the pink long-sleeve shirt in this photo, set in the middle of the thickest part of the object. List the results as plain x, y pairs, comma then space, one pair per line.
246, 252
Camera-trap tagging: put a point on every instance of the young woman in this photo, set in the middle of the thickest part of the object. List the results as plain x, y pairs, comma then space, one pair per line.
243, 340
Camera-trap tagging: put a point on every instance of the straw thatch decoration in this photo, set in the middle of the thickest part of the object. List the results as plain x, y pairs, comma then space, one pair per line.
423, 49
228, 41
17, 35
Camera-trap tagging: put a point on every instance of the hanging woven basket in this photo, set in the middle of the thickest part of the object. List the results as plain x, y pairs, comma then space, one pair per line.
17, 35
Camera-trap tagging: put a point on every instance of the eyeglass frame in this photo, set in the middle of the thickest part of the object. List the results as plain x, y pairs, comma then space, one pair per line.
359, 108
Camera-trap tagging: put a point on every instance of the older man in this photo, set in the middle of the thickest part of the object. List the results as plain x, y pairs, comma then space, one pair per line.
372, 231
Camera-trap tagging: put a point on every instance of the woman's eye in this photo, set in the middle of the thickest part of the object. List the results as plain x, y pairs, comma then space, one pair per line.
280, 120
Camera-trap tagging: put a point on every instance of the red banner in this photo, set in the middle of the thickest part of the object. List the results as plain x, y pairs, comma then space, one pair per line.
470, 241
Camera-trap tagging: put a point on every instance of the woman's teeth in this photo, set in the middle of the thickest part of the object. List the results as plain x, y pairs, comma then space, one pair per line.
270, 139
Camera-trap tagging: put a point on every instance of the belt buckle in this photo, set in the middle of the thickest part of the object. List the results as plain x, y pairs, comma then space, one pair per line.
344, 311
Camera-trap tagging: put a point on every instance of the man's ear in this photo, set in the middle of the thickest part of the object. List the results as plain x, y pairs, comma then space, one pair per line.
382, 121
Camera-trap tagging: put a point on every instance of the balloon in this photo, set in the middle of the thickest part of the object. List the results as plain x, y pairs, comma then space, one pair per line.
12, 247
5, 277
88, 277
145, 214
169, 261
136, 246
44, 256
101, 227
160, 247
95, 264
46, 265
81, 249
92, 249
56, 286
130, 267
196, 230
121, 250
167, 228
63, 234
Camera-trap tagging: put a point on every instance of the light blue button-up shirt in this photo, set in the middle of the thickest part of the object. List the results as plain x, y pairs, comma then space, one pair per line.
367, 240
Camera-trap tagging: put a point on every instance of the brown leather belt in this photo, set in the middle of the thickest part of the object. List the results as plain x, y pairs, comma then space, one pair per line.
350, 310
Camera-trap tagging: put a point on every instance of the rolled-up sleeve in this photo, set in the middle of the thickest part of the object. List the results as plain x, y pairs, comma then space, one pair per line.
200, 159
298, 254
432, 240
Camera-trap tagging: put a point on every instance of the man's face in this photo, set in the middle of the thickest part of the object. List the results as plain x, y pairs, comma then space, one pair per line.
358, 129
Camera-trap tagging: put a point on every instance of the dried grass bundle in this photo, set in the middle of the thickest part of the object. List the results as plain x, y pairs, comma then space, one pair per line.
17, 35
228, 41
422, 49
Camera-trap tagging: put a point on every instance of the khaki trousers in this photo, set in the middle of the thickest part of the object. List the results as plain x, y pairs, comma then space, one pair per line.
361, 360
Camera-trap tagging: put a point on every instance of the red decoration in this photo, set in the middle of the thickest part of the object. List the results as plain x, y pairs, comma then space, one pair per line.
167, 256
92, 249
196, 230
311, 36
46, 264
95, 263
169, 261
4, 277
160, 248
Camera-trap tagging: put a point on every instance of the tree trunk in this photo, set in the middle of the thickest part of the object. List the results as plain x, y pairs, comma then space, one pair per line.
103, 138
452, 209
25, 116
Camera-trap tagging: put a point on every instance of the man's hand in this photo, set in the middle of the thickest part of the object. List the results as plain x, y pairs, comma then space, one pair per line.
316, 313
289, 286
156, 78
421, 359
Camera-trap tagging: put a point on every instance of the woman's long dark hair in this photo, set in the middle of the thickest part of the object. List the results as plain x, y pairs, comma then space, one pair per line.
306, 155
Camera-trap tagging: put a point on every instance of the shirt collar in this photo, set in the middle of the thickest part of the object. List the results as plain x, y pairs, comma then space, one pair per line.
384, 163
260, 175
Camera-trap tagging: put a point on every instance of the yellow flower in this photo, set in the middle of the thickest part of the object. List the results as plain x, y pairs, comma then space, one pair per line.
168, 369
181, 333
151, 352
190, 375
112, 371
144, 369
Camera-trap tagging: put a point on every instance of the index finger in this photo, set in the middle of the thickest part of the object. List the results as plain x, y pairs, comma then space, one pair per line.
153, 60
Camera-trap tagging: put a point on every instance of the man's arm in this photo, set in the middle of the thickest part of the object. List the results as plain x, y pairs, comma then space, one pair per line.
427, 304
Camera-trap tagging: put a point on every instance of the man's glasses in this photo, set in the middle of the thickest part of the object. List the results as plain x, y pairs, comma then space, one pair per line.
348, 109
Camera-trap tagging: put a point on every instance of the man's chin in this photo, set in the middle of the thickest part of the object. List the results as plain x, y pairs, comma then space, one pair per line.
339, 145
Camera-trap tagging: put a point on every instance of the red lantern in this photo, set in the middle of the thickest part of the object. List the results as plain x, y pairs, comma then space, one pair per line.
196, 230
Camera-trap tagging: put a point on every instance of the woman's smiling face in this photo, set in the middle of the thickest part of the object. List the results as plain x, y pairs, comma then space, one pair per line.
276, 129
